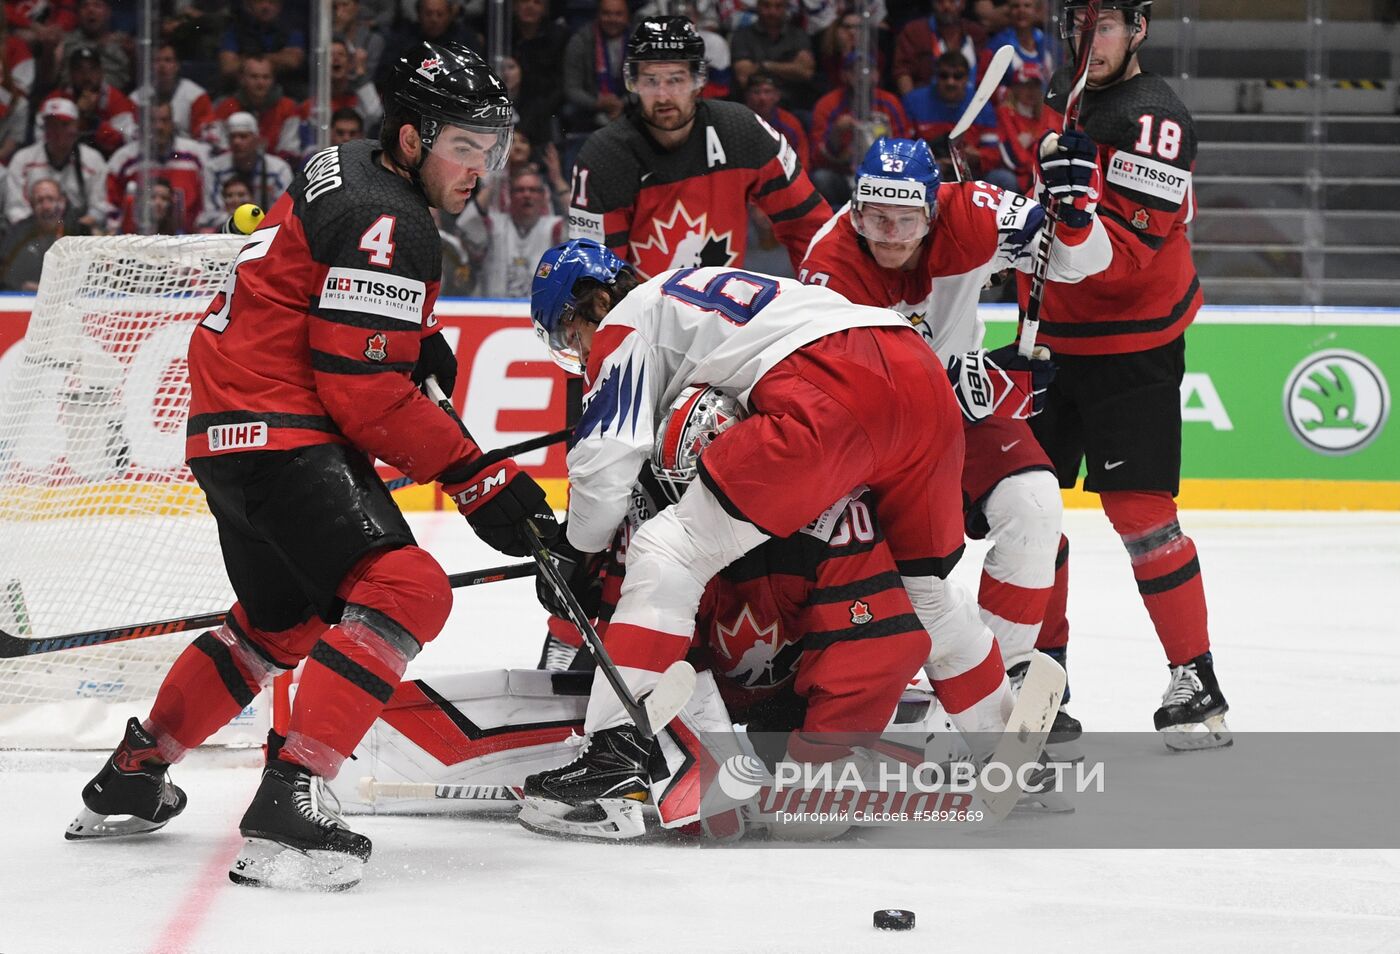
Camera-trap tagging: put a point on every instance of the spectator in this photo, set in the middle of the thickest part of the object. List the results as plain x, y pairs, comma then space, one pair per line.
79, 169
106, 116
196, 29
190, 105
507, 247
268, 175
779, 48
942, 32
236, 191
457, 271
1026, 39
840, 40
16, 79
278, 116
1020, 123
23, 247
360, 33
438, 21
935, 110
167, 218
178, 160
39, 28
593, 84
115, 50
350, 87
538, 43
835, 150
346, 124
762, 97
258, 29
993, 15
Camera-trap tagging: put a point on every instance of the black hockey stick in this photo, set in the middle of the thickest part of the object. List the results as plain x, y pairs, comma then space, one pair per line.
12, 646
1030, 321
676, 684
500, 453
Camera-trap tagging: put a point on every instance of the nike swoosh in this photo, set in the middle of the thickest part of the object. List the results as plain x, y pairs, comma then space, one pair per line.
1007, 447
645, 176
1110, 464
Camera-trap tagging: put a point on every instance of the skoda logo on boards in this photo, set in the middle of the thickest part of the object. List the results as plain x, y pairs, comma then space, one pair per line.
1336, 402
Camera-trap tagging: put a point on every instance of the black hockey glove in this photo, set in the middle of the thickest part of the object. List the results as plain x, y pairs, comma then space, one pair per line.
497, 501
1001, 383
1068, 165
435, 359
581, 571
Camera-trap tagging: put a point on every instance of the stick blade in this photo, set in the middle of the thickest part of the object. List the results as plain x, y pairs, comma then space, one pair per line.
670, 696
1026, 730
991, 79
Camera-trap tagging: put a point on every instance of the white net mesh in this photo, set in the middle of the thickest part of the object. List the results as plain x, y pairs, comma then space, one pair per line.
101, 524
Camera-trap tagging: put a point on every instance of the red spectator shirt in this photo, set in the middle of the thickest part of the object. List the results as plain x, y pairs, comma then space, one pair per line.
887, 113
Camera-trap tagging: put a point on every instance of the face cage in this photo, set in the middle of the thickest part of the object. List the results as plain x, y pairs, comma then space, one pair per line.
497, 154
560, 350
916, 233
699, 71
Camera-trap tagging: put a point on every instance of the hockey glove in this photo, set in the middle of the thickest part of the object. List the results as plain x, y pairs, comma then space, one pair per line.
1001, 383
435, 359
581, 571
1068, 167
497, 501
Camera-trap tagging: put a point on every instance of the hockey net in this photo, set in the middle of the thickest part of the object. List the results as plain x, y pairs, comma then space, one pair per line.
101, 524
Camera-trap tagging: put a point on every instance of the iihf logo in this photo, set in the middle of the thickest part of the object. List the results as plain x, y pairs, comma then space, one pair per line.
376, 347
860, 613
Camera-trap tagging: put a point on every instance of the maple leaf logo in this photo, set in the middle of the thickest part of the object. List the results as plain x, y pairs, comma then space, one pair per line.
684, 241
759, 645
376, 347
860, 613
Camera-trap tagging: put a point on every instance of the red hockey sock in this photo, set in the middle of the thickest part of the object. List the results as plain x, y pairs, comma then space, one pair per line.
396, 600
565, 631
1054, 632
1166, 568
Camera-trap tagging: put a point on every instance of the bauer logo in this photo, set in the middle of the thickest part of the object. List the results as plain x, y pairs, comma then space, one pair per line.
374, 293
1336, 402
227, 437
1148, 177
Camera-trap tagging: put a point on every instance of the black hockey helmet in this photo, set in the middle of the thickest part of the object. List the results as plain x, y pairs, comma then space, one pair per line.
447, 84
1136, 13
665, 40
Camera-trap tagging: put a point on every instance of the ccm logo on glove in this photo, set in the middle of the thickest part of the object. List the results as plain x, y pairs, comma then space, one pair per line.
480, 489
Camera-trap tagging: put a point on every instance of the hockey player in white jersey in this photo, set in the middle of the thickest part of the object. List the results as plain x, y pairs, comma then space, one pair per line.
925, 248
839, 395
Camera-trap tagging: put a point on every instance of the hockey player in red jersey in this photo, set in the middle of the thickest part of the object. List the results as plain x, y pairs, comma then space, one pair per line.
926, 249
669, 183
1119, 340
302, 371
840, 395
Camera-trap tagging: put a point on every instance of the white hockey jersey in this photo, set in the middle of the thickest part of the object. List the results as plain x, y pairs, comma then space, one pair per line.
718, 326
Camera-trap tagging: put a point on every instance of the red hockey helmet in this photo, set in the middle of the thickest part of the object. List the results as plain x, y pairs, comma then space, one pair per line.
696, 417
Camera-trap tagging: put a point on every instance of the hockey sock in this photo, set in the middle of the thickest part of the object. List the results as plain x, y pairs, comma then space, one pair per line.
565, 631
217, 676
1054, 632
396, 600
1166, 568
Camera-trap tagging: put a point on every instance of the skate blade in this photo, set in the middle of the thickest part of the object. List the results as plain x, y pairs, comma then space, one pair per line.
1067, 752
268, 864
1043, 803
608, 819
90, 825
1213, 733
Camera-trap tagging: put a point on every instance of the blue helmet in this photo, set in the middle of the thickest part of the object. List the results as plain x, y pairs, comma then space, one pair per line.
896, 172
552, 298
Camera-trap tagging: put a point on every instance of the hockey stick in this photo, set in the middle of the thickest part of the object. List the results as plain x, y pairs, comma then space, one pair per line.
1025, 735
671, 692
510, 450
1030, 321
12, 646
371, 790
996, 70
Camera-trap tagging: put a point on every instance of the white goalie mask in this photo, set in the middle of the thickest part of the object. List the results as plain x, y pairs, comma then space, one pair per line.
696, 417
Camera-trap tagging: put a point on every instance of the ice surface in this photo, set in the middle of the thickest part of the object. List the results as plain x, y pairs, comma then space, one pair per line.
1305, 616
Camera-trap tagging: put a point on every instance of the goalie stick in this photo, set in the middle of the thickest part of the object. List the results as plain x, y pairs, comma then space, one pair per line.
371, 790
671, 692
1030, 321
12, 646
1025, 735
991, 79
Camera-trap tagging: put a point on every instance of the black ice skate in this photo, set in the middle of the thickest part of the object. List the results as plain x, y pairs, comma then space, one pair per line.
598, 795
132, 783
1193, 709
294, 840
556, 655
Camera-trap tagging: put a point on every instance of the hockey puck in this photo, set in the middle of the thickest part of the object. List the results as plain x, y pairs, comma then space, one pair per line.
893, 919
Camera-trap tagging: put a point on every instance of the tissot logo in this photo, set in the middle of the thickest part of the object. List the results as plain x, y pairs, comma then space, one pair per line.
378, 293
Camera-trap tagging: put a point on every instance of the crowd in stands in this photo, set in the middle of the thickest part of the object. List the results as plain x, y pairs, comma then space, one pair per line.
231, 117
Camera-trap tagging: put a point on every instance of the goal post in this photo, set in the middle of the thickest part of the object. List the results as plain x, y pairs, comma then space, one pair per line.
101, 523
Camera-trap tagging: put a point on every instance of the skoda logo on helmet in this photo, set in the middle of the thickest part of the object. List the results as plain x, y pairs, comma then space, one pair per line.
889, 191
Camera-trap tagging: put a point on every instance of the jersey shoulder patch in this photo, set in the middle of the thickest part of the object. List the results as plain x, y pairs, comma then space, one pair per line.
748, 142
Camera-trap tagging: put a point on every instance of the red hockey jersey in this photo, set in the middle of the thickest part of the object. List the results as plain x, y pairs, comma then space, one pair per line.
1151, 292
314, 335
661, 209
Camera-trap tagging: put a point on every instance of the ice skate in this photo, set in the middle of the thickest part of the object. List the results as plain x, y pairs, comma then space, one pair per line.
1193, 709
556, 655
294, 840
133, 783
598, 795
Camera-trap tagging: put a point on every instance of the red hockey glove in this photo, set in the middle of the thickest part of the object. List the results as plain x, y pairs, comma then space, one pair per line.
1001, 383
1068, 167
497, 501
